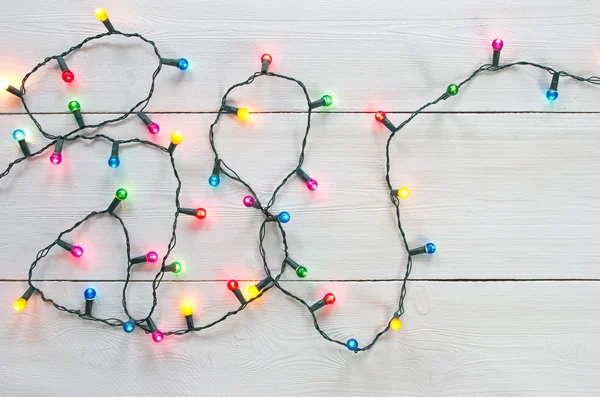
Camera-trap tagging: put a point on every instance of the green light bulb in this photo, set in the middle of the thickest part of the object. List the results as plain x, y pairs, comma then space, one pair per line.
121, 194
328, 100
74, 105
452, 90
177, 267
301, 271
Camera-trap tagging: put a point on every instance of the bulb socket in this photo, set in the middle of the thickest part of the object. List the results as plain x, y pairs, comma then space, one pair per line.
62, 64
170, 62
171, 148
144, 118
263, 283
554, 82
496, 58
24, 148
189, 320
230, 109
115, 149
318, 305
28, 293
79, 118
169, 268
302, 174
139, 259
63, 244
238, 294
390, 126
14, 91
109, 26
418, 251
187, 211
265, 66
217, 167
318, 103
291, 262
58, 146
151, 325
89, 304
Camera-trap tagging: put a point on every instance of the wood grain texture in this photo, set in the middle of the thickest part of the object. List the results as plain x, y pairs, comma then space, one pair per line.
368, 56
508, 196
458, 339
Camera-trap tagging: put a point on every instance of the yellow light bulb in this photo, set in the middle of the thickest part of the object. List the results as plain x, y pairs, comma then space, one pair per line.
101, 14
243, 113
187, 309
4, 84
176, 138
20, 304
396, 324
253, 291
404, 192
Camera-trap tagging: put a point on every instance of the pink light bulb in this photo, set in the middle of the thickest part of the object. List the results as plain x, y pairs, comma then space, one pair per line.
77, 251
312, 185
157, 336
497, 44
153, 128
56, 158
152, 256
249, 201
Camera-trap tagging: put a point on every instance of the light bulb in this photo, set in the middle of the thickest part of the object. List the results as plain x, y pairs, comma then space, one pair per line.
329, 298
452, 90
551, 95
68, 76
113, 162
187, 309
284, 217
176, 138
20, 304
430, 248
153, 128
200, 213
395, 324
352, 344
89, 294
121, 194
129, 326
249, 201
403, 192
301, 271
266, 57
312, 185
4, 84
497, 44
183, 64
253, 291
157, 336
379, 116
265, 60
77, 251
18, 135
243, 113
101, 14
214, 180
151, 256
74, 105
232, 285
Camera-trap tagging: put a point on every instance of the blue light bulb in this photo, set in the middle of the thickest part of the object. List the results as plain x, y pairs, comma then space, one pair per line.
89, 294
214, 180
183, 64
129, 326
114, 162
430, 248
352, 344
18, 135
551, 95
283, 217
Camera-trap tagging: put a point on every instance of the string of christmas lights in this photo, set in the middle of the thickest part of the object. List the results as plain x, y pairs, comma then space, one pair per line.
272, 279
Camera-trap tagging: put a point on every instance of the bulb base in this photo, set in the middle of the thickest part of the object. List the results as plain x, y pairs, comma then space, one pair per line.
170, 62
293, 264
238, 294
144, 118
189, 320
554, 83
265, 66
114, 204
230, 109
89, 304
79, 118
14, 91
390, 126
318, 305
496, 58
172, 267
318, 103
188, 211
109, 26
24, 148
28, 293
139, 259
62, 64
63, 244
302, 174
171, 148
151, 325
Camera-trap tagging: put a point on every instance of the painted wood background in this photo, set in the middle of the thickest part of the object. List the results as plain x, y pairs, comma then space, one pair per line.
503, 181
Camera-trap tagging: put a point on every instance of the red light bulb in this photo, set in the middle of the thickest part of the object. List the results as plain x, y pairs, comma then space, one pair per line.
232, 285
200, 213
152, 256
77, 251
379, 116
266, 57
68, 76
329, 298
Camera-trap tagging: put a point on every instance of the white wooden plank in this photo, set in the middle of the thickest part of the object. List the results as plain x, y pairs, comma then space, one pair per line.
503, 196
458, 339
368, 56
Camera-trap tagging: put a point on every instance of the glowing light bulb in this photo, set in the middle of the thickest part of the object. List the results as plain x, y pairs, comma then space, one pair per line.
430, 248
379, 116
395, 324
129, 326
101, 14
4, 84
68, 76
77, 251
266, 60
56, 158
200, 213
153, 128
18, 135
301, 271
20, 304
232, 285
187, 309
312, 185
113, 162
404, 192
452, 90
214, 180
352, 344
121, 194
152, 256
74, 105
551, 95
329, 298
157, 336
177, 266
89, 294
328, 100
266, 57
284, 217
249, 201
176, 138
243, 113
253, 291
183, 64
497, 44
